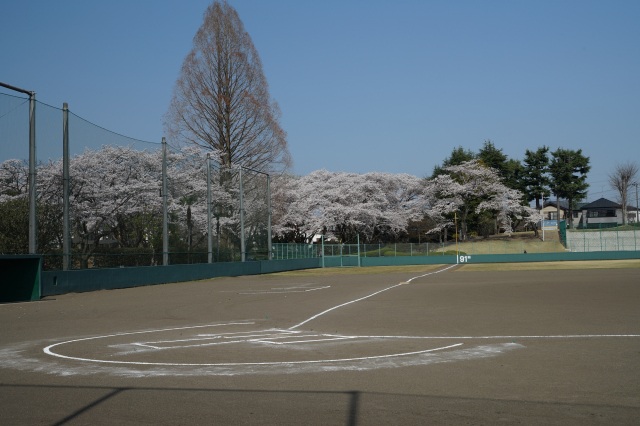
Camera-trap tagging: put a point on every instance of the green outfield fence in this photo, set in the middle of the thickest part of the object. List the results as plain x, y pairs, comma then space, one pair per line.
23, 280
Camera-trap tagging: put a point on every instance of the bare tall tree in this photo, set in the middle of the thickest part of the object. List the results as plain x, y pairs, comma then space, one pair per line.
221, 100
620, 180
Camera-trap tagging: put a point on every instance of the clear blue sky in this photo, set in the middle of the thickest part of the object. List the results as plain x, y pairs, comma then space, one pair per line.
363, 86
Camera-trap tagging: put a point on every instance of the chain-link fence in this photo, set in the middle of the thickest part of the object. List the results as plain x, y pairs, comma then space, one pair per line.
605, 239
129, 202
301, 251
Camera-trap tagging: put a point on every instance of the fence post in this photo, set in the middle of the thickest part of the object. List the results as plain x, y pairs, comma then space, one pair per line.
600, 232
66, 240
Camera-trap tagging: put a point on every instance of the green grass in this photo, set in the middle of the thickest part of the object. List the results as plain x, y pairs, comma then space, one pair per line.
549, 266
518, 242
357, 271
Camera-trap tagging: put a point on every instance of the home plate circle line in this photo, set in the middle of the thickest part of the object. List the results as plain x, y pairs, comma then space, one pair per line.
130, 333
370, 295
48, 351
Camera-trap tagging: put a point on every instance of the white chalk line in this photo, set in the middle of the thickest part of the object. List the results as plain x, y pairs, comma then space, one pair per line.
299, 288
281, 291
368, 296
151, 345
268, 336
278, 337
559, 336
48, 351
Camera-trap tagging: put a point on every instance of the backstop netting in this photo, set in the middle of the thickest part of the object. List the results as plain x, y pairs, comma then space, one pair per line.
116, 199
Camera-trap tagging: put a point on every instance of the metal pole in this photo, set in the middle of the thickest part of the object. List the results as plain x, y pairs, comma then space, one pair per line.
359, 250
33, 224
557, 211
637, 211
542, 214
269, 256
209, 224
242, 243
635, 229
455, 215
165, 215
66, 235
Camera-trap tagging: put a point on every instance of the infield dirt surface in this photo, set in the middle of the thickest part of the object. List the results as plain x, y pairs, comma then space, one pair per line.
413, 345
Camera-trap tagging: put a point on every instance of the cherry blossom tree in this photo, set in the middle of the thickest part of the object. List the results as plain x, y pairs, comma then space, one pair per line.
13, 178
471, 187
108, 187
291, 209
14, 208
341, 205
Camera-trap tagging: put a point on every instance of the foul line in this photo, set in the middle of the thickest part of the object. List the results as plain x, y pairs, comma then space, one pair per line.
368, 296
566, 336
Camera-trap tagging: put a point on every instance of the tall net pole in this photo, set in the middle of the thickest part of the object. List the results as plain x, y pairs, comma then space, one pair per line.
165, 218
269, 254
242, 241
33, 224
209, 220
66, 234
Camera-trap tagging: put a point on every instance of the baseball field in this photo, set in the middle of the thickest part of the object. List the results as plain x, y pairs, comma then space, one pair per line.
555, 343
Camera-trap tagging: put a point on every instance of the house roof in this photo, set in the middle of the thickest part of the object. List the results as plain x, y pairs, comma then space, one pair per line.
564, 204
601, 203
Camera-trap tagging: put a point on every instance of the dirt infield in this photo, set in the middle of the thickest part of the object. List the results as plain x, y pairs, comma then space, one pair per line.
402, 345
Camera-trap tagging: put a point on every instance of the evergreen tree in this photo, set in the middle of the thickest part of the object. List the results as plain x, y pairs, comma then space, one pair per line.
493, 157
536, 179
569, 170
458, 156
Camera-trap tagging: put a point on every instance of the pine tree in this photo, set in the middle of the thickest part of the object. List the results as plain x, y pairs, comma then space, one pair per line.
536, 179
569, 170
